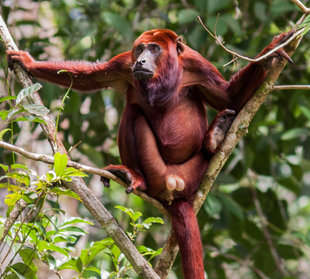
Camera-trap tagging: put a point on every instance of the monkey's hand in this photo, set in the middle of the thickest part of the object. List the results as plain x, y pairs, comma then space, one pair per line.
280, 53
129, 176
23, 58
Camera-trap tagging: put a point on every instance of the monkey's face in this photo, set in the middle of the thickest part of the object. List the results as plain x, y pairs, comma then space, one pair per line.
145, 56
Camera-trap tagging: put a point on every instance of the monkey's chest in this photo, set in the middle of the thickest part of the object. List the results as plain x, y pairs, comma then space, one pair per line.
180, 132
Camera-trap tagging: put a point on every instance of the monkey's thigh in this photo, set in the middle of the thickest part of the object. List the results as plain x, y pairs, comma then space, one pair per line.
166, 180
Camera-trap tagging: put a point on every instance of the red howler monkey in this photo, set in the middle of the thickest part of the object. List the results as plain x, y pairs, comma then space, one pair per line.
164, 140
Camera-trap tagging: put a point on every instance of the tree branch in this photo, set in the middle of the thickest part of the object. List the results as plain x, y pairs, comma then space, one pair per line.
101, 214
50, 160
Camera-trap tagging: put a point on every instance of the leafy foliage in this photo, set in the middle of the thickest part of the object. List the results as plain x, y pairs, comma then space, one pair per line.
49, 234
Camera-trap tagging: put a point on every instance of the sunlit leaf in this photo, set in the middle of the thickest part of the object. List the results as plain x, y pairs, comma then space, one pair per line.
11, 199
60, 163
2, 132
24, 93
4, 114
4, 167
294, 133
38, 110
66, 192
3, 99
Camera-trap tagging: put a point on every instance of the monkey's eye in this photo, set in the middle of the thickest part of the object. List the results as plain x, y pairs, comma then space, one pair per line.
154, 48
139, 49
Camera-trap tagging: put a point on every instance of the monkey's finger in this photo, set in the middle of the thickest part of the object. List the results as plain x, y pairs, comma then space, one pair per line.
105, 181
129, 190
283, 54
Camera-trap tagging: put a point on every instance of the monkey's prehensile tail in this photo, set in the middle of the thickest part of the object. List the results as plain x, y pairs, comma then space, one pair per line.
186, 229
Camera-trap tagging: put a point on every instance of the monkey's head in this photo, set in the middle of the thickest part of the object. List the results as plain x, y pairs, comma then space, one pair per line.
155, 52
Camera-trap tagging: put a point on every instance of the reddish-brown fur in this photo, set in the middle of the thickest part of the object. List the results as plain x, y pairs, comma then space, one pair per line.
164, 139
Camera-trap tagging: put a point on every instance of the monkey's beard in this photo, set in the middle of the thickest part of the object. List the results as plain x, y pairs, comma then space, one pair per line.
158, 91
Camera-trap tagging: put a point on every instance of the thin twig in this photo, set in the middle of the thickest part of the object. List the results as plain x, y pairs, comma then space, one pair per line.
301, 6
291, 87
295, 35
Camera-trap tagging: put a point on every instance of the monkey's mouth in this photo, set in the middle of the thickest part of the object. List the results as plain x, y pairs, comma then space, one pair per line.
141, 73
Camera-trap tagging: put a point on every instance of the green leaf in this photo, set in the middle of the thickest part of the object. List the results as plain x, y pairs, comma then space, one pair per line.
157, 220
119, 23
20, 177
128, 211
116, 252
87, 255
19, 166
42, 245
38, 110
143, 249
24, 93
213, 206
60, 163
305, 111
73, 230
151, 220
74, 172
75, 220
136, 216
74, 264
28, 254
2, 132
20, 276
93, 269
214, 6
51, 262
14, 111
4, 114
53, 247
290, 183
3, 99
146, 251
66, 192
279, 7
260, 11
219, 24
30, 118
232, 206
23, 271
186, 16
294, 133
157, 252
4, 167
305, 24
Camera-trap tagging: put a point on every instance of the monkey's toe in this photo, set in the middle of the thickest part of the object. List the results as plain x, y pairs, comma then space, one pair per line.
129, 176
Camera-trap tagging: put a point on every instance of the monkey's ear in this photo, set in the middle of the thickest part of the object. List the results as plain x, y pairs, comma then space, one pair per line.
180, 45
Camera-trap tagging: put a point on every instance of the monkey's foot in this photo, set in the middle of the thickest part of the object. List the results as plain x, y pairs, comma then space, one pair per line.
174, 182
218, 129
129, 176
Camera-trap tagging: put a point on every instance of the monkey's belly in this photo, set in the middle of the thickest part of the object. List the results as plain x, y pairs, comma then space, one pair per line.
180, 135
